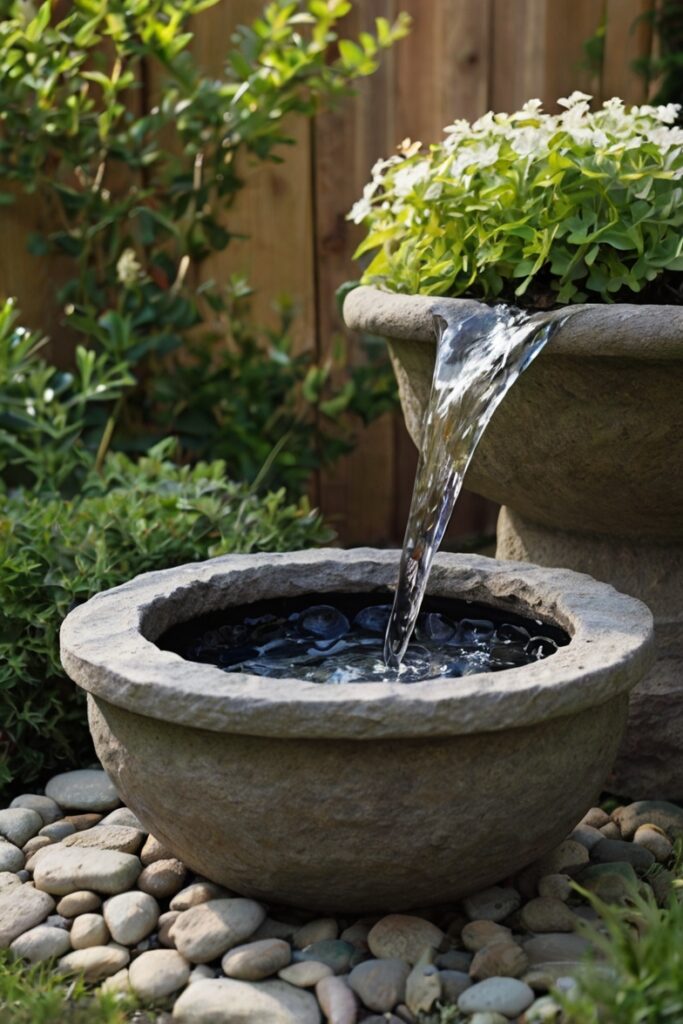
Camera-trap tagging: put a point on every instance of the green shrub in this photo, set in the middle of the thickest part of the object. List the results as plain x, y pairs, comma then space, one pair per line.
527, 206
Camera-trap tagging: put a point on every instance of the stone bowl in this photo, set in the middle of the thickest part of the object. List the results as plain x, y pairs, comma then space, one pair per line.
356, 797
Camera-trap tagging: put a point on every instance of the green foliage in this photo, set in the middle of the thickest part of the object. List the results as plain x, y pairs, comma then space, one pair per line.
535, 208
135, 203
36, 995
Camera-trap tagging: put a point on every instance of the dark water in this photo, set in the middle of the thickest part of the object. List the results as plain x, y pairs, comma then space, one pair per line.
481, 351
339, 638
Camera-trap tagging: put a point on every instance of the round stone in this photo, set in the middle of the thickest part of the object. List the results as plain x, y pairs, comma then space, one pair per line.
95, 963
380, 984
58, 830
62, 870
587, 836
545, 914
198, 892
655, 840
11, 857
556, 887
37, 843
315, 931
609, 851
87, 789
453, 984
555, 947
494, 904
611, 882
165, 924
423, 988
454, 960
107, 837
41, 943
205, 932
21, 908
667, 816
225, 1000
131, 916
82, 902
478, 934
117, 983
595, 817
338, 955
501, 959
123, 816
337, 1001
507, 996
305, 974
611, 831
163, 878
256, 960
153, 850
81, 822
157, 974
43, 805
403, 937
89, 930
200, 973
19, 824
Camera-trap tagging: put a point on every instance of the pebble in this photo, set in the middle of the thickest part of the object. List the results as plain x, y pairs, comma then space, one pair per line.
611, 831
607, 851
205, 932
11, 857
226, 1001
57, 921
566, 859
656, 841
153, 850
337, 1001
96, 962
200, 973
338, 955
37, 843
200, 892
81, 822
62, 870
256, 960
454, 960
306, 973
272, 929
8, 880
554, 947
423, 988
81, 902
165, 924
488, 1018
89, 930
107, 837
556, 887
163, 878
157, 974
667, 816
357, 934
315, 931
123, 816
41, 943
86, 789
611, 882
453, 984
587, 836
595, 817
507, 996
501, 959
545, 914
542, 1011
43, 805
494, 904
58, 830
380, 984
403, 937
131, 916
19, 824
117, 983
478, 934
21, 908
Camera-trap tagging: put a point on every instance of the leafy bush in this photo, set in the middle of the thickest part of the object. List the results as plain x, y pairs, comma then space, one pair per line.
527, 206
134, 204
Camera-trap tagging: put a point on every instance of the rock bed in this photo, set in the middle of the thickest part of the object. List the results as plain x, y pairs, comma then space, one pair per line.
83, 883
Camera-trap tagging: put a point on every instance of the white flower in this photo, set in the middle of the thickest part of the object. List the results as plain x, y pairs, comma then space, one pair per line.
574, 99
531, 108
361, 209
530, 142
406, 178
128, 270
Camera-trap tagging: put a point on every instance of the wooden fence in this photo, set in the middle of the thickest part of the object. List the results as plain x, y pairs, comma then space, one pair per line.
462, 58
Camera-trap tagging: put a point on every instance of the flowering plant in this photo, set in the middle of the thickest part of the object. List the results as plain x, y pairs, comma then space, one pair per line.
534, 207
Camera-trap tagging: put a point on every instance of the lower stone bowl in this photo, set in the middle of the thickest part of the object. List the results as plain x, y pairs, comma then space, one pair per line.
356, 797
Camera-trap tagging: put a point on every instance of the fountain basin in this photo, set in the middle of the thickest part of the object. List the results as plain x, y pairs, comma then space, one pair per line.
360, 796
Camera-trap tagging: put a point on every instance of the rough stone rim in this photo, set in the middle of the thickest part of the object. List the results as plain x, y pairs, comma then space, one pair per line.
614, 330
107, 648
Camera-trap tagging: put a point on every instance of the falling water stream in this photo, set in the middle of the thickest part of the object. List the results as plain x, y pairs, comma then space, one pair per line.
481, 351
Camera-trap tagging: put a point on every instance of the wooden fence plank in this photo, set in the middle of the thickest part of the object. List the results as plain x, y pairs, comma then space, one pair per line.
568, 26
628, 36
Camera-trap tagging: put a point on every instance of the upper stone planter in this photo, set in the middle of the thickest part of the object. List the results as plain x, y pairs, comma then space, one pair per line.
356, 796
585, 455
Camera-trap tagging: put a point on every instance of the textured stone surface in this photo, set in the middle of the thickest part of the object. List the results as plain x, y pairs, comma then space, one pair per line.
80, 902
305, 974
19, 824
61, 870
11, 857
131, 916
211, 929
157, 974
46, 808
380, 984
96, 962
256, 960
502, 995
89, 930
404, 937
87, 789
507, 742
224, 1001
21, 908
41, 943
163, 878
493, 904
107, 837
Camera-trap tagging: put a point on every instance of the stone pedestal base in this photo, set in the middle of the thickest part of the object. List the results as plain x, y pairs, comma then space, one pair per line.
650, 762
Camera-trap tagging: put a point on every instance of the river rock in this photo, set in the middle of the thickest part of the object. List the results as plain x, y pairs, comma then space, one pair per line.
95, 963
488, 1017
201, 972
163, 878
667, 816
226, 1001
500, 995
46, 808
123, 816
81, 822
117, 983
306, 973
201, 892
338, 955
256, 960
41, 943
9, 880
165, 924
154, 850
501, 959
545, 914
58, 830
80, 902
89, 930
566, 859
555, 947
107, 837
595, 817
62, 870
656, 841
454, 960
131, 916
611, 831
357, 934
19, 824
11, 857
453, 984
157, 974
272, 929
337, 1001
587, 836
478, 934
315, 931
423, 988
21, 908
403, 937
36, 843
380, 984
87, 789
609, 851
494, 904
543, 1011
612, 882
207, 931
555, 887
